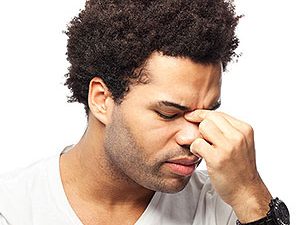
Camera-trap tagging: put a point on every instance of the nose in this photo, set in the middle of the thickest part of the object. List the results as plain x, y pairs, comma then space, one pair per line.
187, 133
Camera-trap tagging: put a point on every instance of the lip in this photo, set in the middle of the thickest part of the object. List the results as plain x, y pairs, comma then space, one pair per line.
185, 161
183, 166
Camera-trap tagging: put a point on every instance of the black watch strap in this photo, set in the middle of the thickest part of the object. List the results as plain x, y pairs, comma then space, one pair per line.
277, 215
263, 221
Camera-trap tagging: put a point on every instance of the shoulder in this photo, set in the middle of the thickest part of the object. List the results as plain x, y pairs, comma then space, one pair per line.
24, 176
18, 187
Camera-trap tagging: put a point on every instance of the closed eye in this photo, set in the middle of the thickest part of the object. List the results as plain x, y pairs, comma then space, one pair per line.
165, 116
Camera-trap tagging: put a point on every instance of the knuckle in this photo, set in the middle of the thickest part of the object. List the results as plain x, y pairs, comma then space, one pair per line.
249, 131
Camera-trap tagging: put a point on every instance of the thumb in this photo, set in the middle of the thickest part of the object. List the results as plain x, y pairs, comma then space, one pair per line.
201, 148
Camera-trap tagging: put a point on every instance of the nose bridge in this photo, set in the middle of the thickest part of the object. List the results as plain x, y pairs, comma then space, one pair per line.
187, 133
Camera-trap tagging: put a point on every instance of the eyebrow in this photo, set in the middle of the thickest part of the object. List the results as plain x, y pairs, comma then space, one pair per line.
215, 106
175, 105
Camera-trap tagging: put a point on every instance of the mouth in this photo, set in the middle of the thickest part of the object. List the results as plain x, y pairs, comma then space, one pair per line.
183, 166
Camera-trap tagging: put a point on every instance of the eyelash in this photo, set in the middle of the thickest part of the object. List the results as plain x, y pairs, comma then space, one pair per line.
166, 117
170, 117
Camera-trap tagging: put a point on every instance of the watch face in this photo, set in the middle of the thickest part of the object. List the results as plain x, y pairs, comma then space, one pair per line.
282, 214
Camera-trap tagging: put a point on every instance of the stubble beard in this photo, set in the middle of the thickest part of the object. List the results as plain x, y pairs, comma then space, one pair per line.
127, 162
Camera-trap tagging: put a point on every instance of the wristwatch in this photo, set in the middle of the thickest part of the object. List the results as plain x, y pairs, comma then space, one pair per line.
277, 215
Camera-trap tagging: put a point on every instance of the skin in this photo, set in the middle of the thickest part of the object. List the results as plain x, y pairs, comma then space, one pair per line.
126, 147
227, 145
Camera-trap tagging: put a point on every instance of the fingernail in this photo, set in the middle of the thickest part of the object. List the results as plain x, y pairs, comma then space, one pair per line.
192, 147
195, 153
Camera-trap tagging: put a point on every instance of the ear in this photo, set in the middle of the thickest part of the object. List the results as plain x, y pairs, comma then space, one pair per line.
100, 101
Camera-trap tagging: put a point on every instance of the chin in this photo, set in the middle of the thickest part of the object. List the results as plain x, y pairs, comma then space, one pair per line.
171, 185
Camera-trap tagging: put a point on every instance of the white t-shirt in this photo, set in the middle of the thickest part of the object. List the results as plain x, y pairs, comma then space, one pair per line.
35, 196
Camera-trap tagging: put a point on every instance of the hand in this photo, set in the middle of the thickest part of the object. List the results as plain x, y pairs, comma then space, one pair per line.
227, 146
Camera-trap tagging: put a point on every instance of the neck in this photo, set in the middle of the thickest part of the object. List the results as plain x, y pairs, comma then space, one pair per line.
86, 174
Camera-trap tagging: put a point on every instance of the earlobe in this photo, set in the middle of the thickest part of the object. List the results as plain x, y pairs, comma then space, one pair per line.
99, 100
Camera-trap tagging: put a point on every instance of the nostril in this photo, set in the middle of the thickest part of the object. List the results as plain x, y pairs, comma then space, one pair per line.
186, 147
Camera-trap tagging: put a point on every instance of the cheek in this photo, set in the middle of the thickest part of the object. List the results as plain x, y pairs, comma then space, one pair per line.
157, 139
152, 133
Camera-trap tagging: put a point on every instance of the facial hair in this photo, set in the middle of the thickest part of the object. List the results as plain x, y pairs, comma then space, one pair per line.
129, 162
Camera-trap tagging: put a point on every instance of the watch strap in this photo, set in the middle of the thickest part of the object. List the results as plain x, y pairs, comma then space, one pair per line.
278, 214
263, 221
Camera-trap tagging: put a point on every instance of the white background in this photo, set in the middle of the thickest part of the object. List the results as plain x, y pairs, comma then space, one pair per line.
261, 89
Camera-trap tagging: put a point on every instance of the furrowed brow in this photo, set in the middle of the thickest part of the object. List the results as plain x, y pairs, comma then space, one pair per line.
215, 106
174, 105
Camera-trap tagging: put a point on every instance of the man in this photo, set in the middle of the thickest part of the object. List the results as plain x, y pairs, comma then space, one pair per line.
149, 75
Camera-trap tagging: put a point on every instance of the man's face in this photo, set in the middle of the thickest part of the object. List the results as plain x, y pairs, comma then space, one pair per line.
148, 138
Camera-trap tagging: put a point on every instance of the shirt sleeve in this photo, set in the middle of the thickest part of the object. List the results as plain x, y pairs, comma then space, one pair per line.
232, 220
3, 221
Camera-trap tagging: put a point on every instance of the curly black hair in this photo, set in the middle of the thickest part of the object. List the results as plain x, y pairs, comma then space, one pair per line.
110, 39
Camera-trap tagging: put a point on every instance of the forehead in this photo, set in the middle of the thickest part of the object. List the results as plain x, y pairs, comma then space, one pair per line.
179, 80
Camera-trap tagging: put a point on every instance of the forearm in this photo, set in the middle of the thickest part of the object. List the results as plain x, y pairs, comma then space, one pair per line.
253, 203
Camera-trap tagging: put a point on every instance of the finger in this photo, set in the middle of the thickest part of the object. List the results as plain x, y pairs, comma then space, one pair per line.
238, 124
212, 133
244, 128
224, 125
198, 115
201, 148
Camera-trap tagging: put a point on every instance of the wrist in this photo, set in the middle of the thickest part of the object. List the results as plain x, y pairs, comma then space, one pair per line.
252, 203
252, 210
278, 214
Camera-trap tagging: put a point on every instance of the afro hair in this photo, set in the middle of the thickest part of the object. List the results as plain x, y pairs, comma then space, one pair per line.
110, 39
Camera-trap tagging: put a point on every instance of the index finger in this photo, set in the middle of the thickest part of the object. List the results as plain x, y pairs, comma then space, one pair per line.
197, 115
